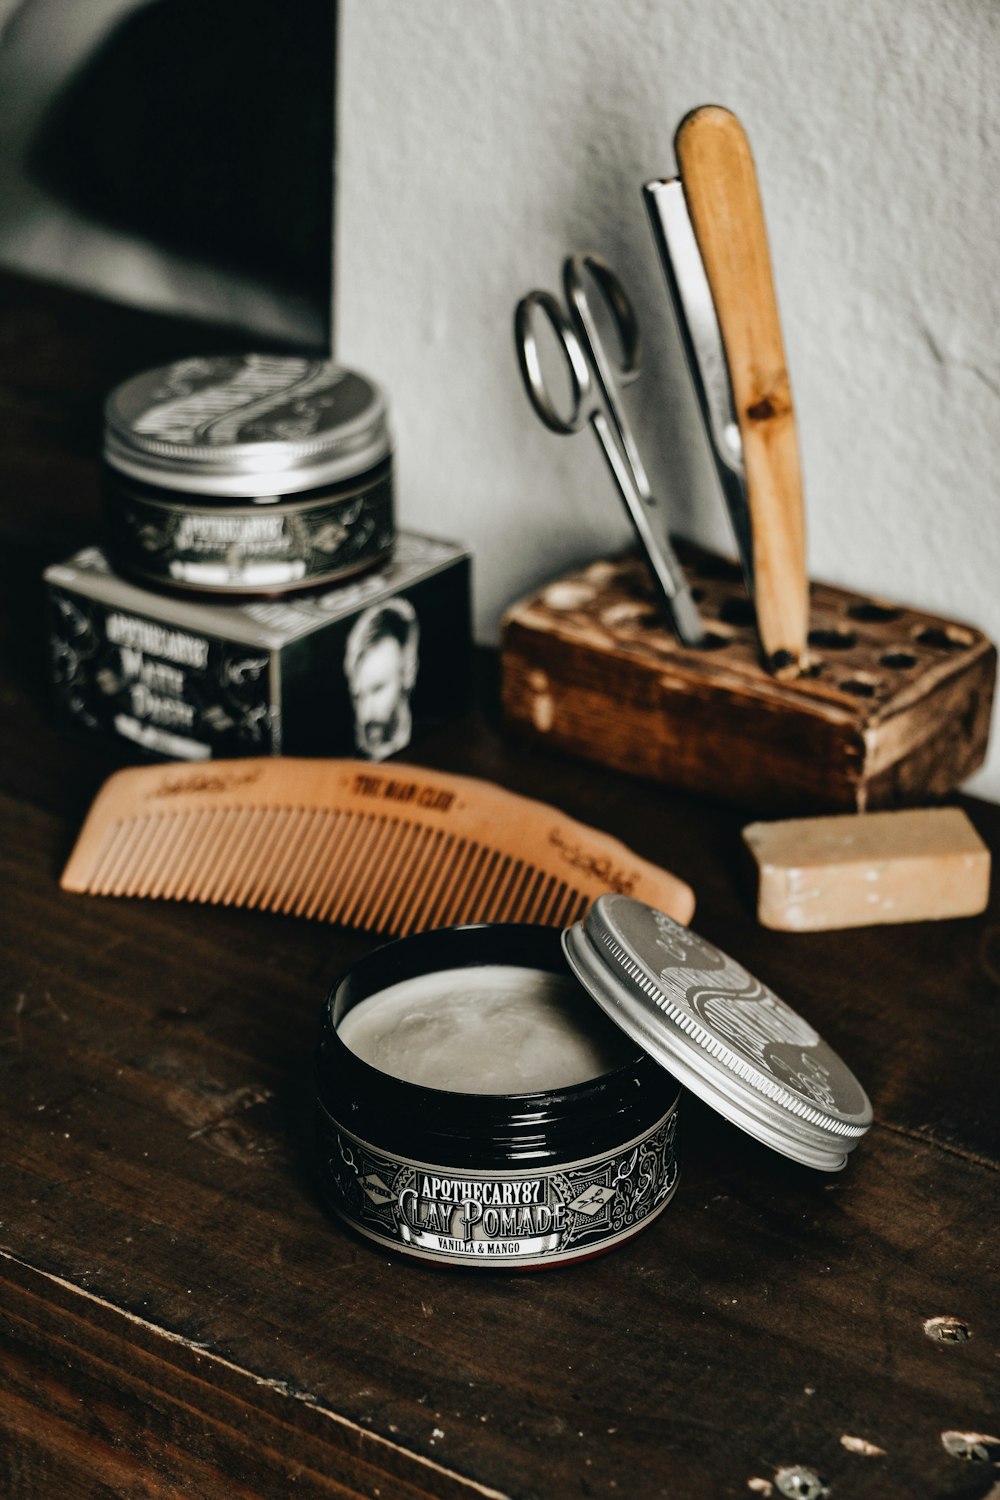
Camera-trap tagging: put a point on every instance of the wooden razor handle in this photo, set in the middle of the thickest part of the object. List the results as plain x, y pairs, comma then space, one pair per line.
720, 185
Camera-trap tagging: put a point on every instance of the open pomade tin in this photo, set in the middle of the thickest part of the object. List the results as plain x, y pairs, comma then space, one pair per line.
247, 474
507, 1095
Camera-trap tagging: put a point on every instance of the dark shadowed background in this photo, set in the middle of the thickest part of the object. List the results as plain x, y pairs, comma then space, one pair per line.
175, 154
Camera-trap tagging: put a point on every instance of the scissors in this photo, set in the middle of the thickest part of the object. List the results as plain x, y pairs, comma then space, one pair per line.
594, 399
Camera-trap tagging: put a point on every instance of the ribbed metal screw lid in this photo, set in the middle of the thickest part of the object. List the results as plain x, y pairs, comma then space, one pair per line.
722, 1033
246, 425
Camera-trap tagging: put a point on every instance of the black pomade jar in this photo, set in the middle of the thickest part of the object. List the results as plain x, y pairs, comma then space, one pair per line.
507, 1095
249, 474
531, 1178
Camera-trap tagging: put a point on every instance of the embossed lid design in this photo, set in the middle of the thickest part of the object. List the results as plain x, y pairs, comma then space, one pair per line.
719, 1031
246, 425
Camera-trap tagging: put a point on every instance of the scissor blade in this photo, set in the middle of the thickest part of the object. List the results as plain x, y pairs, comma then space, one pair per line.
698, 326
654, 541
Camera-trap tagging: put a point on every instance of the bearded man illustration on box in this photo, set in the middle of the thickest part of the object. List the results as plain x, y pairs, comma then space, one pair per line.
381, 664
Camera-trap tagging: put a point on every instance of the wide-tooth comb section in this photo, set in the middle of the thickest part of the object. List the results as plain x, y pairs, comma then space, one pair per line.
493, 896
118, 867
223, 858
422, 863
312, 900
482, 875
340, 865
389, 848
282, 835
300, 897
149, 858
571, 910
200, 842
256, 854
435, 876
516, 886
443, 891
530, 882
221, 882
375, 870
305, 832
153, 871
351, 860
115, 841
539, 889
456, 905
504, 898
379, 915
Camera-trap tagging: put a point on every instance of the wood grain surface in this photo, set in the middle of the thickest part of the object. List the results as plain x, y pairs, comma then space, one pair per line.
180, 1318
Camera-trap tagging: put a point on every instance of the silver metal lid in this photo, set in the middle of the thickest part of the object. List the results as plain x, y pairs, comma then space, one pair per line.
719, 1031
246, 425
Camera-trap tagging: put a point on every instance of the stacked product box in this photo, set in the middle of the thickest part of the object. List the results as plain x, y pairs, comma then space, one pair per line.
254, 596
357, 670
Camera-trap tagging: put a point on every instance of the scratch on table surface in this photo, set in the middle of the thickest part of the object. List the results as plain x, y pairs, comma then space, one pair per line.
281, 1387
16, 1038
947, 1330
861, 1445
213, 1111
797, 1482
975, 1447
56, 1009
21, 1014
222, 1109
926, 1138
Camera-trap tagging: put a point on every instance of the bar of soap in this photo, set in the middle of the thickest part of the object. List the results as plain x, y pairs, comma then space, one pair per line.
918, 865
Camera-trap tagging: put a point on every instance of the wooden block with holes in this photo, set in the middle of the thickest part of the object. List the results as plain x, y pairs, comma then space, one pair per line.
895, 711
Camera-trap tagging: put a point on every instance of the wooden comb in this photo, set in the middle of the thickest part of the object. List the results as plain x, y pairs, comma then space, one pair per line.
383, 848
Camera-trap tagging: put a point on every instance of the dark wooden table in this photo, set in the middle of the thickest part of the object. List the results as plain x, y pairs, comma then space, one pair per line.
178, 1315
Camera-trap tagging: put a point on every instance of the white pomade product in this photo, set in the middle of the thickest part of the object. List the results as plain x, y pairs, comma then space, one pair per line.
496, 1029
247, 474
507, 1095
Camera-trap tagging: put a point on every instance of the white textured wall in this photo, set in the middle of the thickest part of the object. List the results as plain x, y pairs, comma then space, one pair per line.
480, 140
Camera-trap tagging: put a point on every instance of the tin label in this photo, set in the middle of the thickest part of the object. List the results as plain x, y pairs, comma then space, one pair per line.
500, 1218
253, 547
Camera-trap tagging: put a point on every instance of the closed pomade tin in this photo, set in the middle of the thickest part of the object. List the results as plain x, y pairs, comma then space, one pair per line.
247, 474
506, 1095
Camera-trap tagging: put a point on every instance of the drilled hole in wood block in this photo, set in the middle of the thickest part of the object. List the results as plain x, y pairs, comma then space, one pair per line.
945, 638
713, 641
607, 703
698, 595
873, 613
717, 567
737, 611
862, 685
569, 593
619, 616
833, 640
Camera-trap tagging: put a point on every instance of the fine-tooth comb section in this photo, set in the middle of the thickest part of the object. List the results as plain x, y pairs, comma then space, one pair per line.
382, 848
